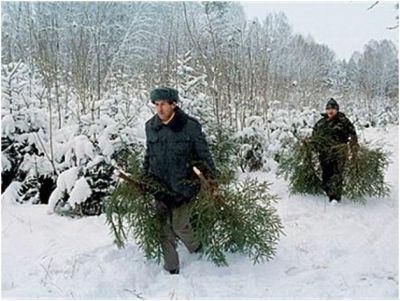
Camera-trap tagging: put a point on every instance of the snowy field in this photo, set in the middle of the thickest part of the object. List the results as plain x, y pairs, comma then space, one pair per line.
344, 251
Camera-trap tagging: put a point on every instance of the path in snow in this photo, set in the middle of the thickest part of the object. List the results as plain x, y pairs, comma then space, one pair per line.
346, 251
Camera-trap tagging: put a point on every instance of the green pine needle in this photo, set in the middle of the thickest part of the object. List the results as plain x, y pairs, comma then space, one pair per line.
242, 220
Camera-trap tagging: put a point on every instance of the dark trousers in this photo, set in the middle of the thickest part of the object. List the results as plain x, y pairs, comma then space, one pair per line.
332, 176
175, 225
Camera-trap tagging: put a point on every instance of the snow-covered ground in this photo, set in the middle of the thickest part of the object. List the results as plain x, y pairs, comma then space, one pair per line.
344, 251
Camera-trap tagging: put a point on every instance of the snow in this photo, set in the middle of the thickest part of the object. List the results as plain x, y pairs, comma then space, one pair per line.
36, 165
105, 145
79, 149
343, 251
80, 192
5, 164
7, 126
65, 183
11, 194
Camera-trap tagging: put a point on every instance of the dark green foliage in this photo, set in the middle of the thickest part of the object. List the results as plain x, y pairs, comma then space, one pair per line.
37, 189
30, 190
364, 171
129, 211
14, 151
124, 151
99, 177
301, 167
251, 151
224, 149
47, 185
240, 220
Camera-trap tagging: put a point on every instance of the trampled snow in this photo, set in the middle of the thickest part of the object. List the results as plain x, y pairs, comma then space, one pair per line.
343, 251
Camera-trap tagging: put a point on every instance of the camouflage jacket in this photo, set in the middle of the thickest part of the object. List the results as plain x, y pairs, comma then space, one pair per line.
331, 132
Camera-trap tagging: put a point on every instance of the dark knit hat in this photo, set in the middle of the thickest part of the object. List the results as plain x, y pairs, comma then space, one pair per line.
164, 93
332, 104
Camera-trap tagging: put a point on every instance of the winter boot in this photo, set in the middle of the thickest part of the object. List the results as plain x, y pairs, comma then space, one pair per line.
176, 271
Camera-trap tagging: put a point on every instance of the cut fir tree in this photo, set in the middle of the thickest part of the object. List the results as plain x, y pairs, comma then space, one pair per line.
299, 164
239, 219
365, 173
363, 170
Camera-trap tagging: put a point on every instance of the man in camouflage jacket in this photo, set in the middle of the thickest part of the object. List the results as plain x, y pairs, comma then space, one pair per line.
332, 130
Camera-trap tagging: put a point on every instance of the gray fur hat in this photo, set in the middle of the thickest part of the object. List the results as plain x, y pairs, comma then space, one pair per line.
164, 93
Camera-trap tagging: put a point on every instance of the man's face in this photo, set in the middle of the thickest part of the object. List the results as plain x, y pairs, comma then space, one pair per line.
331, 113
164, 109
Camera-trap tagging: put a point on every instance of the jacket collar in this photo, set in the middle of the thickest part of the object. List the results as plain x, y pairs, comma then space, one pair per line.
176, 124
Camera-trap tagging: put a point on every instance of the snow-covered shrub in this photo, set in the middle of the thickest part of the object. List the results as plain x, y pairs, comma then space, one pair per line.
77, 151
100, 180
39, 180
252, 141
101, 146
28, 164
18, 155
69, 183
12, 194
24, 128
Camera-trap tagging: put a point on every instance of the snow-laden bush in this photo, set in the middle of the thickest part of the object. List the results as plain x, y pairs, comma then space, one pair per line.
7, 126
77, 151
65, 183
81, 190
252, 148
12, 194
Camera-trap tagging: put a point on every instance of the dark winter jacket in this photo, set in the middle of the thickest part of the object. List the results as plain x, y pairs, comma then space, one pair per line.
328, 133
171, 152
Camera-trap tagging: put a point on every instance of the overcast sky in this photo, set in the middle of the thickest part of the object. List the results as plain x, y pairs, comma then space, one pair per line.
343, 26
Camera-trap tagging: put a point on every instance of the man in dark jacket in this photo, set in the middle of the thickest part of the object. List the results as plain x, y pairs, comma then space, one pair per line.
332, 130
175, 143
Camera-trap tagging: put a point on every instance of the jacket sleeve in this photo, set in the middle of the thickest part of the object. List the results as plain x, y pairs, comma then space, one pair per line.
145, 167
205, 161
